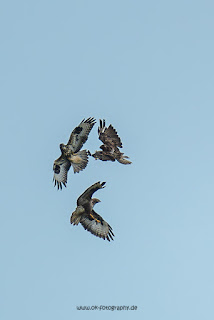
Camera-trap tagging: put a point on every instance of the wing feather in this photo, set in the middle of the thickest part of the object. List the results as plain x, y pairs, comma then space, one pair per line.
109, 135
80, 134
97, 226
60, 168
87, 194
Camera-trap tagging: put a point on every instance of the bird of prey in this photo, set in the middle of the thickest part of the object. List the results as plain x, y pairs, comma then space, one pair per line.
71, 154
111, 144
85, 214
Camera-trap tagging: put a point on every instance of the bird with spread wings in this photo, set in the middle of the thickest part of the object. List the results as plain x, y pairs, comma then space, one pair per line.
111, 144
89, 219
71, 154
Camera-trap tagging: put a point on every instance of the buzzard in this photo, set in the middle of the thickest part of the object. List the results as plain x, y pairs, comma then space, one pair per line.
111, 144
71, 154
85, 214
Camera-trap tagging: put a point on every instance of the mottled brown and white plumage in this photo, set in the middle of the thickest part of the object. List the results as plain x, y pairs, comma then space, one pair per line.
71, 154
85, 214
111, 144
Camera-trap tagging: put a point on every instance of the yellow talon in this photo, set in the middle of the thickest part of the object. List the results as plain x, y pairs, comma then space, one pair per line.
94, 218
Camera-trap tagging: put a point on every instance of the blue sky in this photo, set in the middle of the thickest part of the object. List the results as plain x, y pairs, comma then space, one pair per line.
147, 68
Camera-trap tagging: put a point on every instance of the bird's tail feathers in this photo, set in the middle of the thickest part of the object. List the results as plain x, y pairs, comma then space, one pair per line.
123, 160
79, 160
75, 219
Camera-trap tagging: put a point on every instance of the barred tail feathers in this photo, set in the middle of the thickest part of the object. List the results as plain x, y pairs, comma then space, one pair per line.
79, 160
75, 219
123, 160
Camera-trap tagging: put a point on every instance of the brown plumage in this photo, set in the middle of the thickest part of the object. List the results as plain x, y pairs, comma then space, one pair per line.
71, 154
90, 220
111, 144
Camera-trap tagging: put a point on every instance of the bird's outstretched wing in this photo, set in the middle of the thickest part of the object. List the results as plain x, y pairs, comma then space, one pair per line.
96, 225
109, 135
60, 168
80, 134
86, 196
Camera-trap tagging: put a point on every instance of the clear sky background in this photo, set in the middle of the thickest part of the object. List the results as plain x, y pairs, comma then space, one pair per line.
147, 68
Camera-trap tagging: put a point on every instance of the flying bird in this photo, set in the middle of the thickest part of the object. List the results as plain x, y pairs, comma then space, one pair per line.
111, 144
89, 219
71, 154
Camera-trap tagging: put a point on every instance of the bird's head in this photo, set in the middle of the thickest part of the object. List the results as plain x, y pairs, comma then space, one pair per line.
62, 147
95, 155
94, 201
